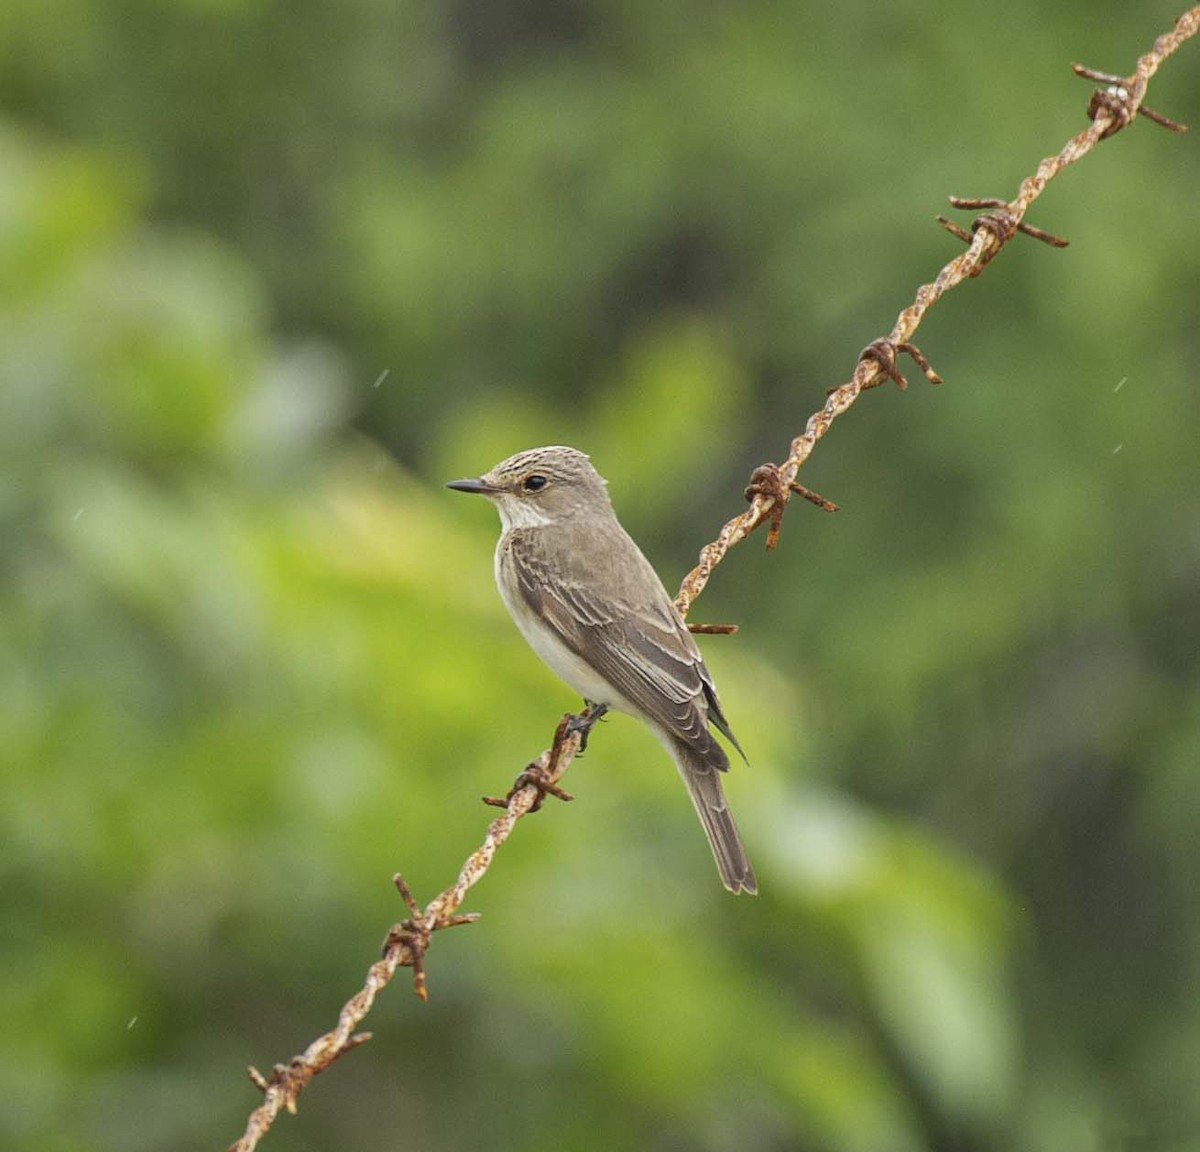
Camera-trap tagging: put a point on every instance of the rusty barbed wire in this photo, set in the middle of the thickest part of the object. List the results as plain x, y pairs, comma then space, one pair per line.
1110, 110
406, 942
770, 488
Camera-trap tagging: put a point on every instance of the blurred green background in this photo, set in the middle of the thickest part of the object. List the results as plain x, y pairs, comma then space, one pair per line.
270, 273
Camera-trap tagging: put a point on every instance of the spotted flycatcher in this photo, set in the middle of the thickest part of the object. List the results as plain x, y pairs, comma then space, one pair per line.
591, 606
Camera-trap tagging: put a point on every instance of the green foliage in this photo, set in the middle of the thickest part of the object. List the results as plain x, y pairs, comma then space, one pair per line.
267, 277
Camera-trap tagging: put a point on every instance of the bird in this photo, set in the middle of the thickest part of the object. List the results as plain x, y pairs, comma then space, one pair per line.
591, 605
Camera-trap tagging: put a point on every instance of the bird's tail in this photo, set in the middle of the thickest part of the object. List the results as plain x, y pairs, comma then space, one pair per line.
701, 772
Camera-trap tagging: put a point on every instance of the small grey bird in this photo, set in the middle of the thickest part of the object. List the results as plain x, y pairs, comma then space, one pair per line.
591, 606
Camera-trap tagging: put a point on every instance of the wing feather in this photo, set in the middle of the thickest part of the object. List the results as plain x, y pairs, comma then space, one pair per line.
638, 643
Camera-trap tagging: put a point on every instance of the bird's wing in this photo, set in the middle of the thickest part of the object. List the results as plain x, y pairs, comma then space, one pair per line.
642, 649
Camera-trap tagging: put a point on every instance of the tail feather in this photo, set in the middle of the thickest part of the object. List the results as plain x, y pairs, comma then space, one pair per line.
701, 774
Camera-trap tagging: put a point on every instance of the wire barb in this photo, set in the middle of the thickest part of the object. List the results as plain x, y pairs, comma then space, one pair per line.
884, 352
1117, 102
409, 940
1006, 209
1002, 224
770, 482
990, 233
535, 777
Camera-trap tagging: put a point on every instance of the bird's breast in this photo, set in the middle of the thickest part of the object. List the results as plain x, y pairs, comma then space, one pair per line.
556, 654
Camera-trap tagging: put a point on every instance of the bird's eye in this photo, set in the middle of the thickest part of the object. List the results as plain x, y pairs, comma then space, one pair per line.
534, 482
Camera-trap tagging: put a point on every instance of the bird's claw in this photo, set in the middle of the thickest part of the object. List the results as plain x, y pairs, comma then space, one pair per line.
584, 722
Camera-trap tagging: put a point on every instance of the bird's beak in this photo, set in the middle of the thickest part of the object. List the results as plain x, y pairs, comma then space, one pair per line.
476, 485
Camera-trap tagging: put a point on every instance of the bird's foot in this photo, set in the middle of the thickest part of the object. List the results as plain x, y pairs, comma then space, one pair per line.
584, 722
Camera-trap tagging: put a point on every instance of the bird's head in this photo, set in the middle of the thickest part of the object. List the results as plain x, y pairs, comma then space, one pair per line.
541, 486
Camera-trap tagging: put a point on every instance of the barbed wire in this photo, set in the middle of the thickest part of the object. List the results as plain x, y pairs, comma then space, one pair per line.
1111, 109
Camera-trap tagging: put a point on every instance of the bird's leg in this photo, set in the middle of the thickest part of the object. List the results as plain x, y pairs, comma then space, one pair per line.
535, 774
584, 722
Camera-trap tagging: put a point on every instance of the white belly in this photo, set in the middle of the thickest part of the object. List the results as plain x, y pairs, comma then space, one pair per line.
573, 671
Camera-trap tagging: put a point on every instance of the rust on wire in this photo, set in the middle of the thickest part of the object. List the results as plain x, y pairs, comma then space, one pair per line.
1116, 102
767, 481
404, 947
1002, 224
885, 353
410, 939
534, 777
989, 235
770, 488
